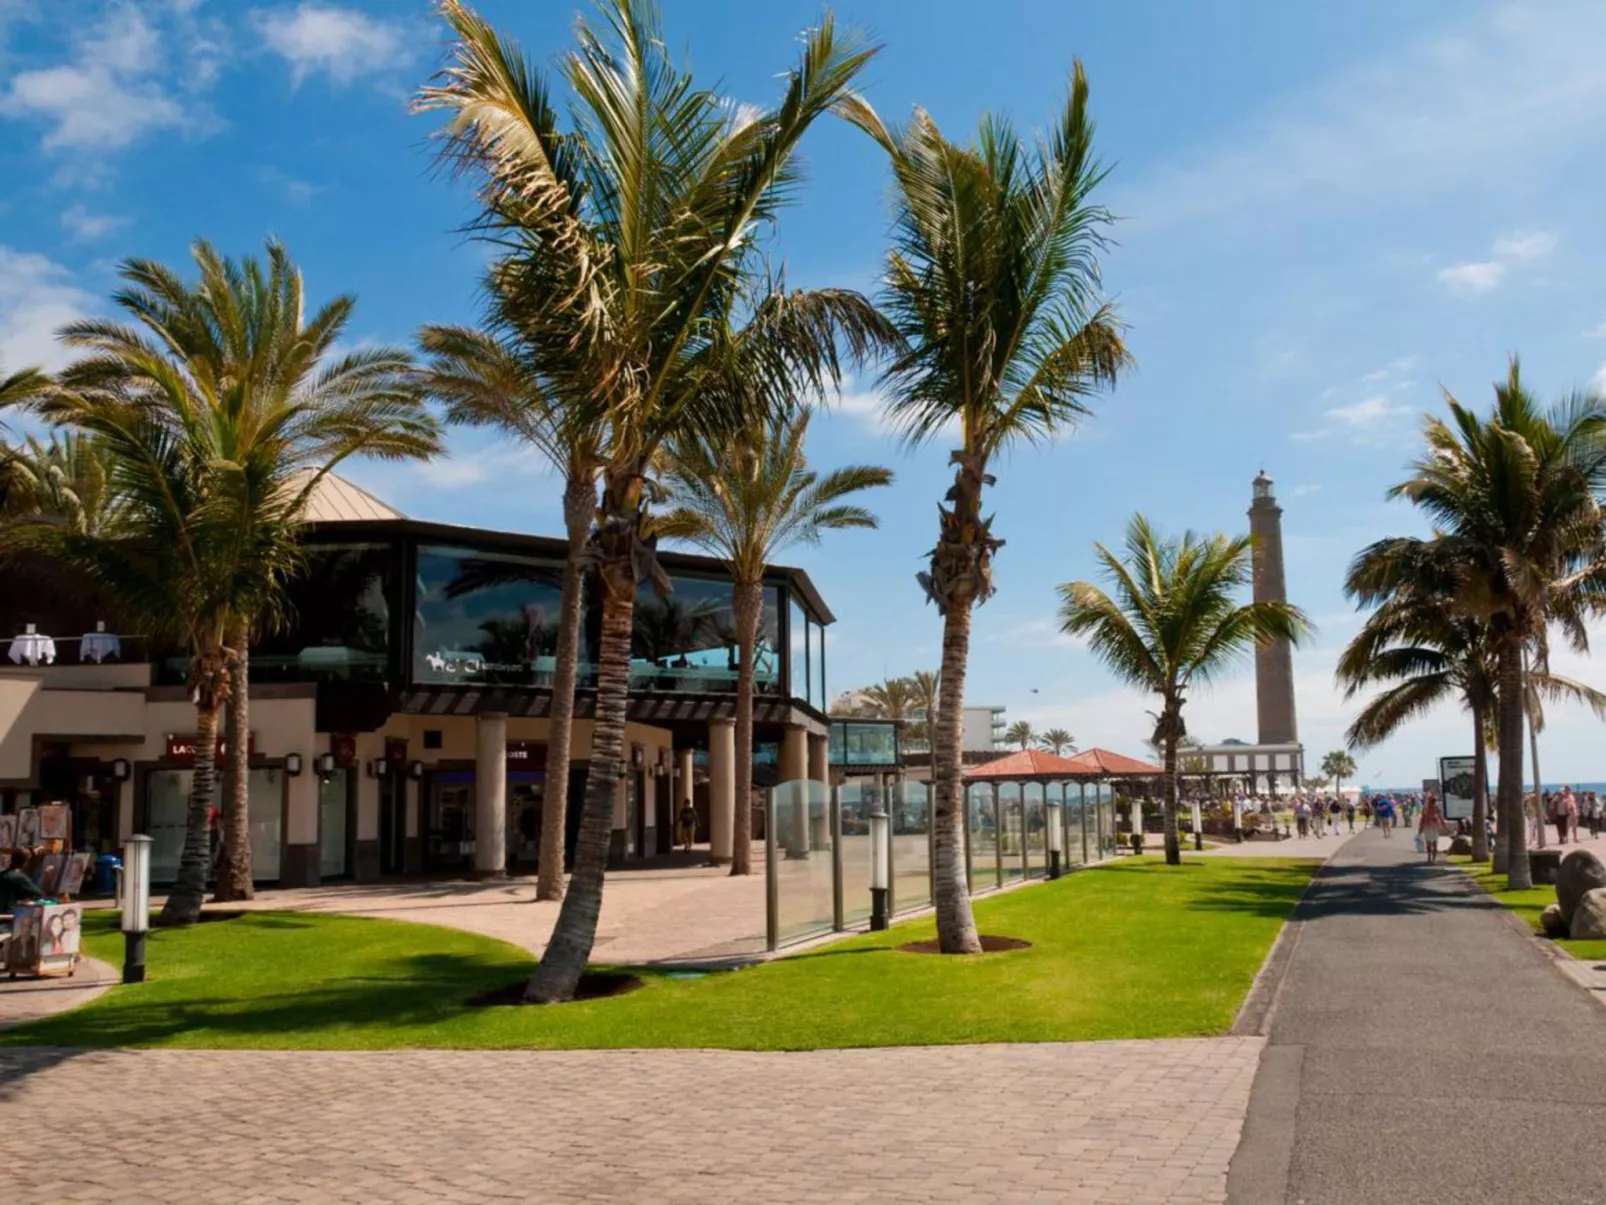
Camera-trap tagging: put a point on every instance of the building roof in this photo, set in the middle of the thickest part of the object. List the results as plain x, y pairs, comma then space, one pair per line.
1101, 763
336, 500
1028, 763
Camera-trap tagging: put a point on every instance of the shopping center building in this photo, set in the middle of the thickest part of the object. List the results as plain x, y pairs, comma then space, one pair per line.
399, 718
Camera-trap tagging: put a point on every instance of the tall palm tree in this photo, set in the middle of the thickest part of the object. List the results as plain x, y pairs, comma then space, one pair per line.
1419, 643
893, 699
1021, 733
744, 497
993, 280
65, 479
1514, 499
639, 288
1057, 741
494, 378
1174, 619
222, 407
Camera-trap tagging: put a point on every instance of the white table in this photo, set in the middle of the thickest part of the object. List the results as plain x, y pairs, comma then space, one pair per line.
97, 646
31, 648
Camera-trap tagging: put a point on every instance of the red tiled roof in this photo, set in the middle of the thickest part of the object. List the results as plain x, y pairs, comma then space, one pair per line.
1101, 763
1028, 763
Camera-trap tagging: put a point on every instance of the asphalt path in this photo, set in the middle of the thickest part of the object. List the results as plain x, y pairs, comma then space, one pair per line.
1421, 1047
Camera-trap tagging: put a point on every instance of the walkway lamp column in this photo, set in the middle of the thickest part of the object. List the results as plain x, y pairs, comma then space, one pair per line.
879, 865
136, 905
1056, 842
1198, 827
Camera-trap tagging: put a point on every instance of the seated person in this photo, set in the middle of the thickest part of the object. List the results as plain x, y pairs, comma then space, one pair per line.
15, 885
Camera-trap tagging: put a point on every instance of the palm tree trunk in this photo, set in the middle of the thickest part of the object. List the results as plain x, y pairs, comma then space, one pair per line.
1480, 788
579, 508
234, 876
183, 906
569, 949
956, 926
1173, 841
1518, 875
748, 600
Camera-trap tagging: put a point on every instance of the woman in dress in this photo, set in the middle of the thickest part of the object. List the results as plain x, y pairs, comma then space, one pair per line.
1431, 827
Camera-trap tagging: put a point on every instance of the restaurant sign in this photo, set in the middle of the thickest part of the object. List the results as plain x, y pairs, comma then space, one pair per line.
526, 755
181, 749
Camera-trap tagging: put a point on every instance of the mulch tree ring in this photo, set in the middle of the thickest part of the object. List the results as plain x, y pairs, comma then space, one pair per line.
989, 945
594, 985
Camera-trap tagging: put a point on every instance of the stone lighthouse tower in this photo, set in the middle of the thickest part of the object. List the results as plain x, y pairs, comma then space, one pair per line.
1274, 663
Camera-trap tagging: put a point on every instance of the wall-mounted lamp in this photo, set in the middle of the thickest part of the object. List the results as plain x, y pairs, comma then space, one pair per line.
324, 764
379, 768
121, 768
415, 770
637, 757
292, 764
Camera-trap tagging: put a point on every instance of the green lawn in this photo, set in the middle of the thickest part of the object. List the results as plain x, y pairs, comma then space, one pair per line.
1131, 950
1528, 905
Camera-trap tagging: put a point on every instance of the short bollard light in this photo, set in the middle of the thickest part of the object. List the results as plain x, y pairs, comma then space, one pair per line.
136, 905
1055, 840
1198, 826
879, 865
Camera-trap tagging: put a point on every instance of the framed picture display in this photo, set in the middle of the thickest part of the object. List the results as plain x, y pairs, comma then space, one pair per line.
55, 822
8, 831
28, 828
73, 874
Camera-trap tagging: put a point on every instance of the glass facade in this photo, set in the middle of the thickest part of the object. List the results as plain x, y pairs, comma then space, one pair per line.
168, 798
338, 625
864, 743
686, 641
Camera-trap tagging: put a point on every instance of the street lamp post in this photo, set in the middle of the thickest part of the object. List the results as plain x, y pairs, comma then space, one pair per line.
878, 870
1056, 844
136, 905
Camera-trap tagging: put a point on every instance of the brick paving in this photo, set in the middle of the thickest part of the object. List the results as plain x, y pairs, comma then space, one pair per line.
24, 1000
1089, 1122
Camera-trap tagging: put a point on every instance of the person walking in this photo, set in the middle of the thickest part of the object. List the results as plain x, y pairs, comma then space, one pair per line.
1385, 815
1569, 815
1431, 827
686, 825
1592, 813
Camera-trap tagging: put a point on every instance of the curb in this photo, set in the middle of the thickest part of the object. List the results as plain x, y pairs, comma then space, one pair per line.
1254, 1016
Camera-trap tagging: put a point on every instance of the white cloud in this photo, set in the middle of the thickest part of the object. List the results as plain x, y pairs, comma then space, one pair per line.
1304, 491
1534, 244
342, 43
1311, 436
113, 89
86, 227
1414, 122
1368, 412
37, 296
465, 466
1480, 276
1040, 632
1596, 332
1598, 381
297, 192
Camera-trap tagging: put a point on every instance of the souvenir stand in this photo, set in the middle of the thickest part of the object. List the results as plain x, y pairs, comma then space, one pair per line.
44, 935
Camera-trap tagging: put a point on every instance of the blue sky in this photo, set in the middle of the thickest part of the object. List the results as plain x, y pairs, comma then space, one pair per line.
1328, 213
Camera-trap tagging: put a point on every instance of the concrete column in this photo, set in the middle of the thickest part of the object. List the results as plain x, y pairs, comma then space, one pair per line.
490, 796
819, 772
125, 810
365, 855
724, 792
684, 778
1137, 814
794, 765
794, 774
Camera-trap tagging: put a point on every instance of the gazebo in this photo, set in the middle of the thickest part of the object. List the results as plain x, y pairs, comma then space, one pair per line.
1002, 813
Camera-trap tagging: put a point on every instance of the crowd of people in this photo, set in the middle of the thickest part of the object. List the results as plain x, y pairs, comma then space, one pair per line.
1567, 811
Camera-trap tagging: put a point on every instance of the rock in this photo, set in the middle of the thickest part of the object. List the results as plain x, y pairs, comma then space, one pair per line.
1550, 920
1589, 919
1581, 871
1461, 845
1544, 865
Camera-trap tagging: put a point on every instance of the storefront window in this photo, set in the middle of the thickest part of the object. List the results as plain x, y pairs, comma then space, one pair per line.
487, 617
333, 818
686, 641
338, 624
168, 797
863, 744
817, 663
797, 639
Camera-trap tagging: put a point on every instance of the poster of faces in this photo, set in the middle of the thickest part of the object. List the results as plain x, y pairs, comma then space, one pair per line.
45, 938
48, 874
73, 874
28, 828
8, 831
54, 821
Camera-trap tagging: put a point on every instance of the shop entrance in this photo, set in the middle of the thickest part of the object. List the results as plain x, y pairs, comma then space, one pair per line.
90, 790
392, 824
449, 838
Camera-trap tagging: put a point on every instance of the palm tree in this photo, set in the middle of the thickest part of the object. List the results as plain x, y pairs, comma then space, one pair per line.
1514, 499
639, 293
927, 686
1057, 741
893, 699
221, 407
993, 281
63, 480
1337, 766
493, 378
1021, 733
1418, 641
1174, 620
743, 498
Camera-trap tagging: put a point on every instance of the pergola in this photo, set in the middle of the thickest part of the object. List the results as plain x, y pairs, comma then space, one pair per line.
1037, 766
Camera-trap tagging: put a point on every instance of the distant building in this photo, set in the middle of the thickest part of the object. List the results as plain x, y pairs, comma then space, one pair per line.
984, 729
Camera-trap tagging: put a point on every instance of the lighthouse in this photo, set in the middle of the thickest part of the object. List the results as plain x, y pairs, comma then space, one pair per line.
1274, 662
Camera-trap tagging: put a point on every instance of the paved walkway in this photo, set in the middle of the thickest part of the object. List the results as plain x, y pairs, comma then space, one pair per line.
1422, 1047
24, 1000
1094, 1122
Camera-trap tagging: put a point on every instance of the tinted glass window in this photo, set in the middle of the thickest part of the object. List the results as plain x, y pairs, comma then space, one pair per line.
486, 617
337, 623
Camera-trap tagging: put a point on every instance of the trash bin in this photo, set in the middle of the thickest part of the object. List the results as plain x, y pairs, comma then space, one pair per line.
106, 868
